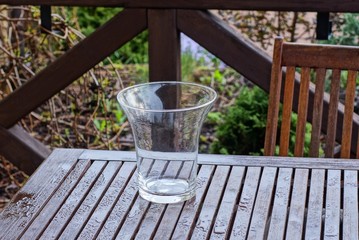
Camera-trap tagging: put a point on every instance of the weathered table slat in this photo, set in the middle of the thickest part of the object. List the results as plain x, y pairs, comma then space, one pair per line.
296, 213
332, 206
235, 160
211, 203
103, 209
262, 204
63, 216
119, 211
56, 201
315, 205
87, 194
79, 219
138, 211
167, 227
228, 205
154, 213
246, 202
350, 212
280, 205
28, 201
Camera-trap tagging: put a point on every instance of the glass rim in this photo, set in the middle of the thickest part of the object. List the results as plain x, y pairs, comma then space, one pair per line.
120, 100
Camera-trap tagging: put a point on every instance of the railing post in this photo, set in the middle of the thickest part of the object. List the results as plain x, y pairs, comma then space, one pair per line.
164, 46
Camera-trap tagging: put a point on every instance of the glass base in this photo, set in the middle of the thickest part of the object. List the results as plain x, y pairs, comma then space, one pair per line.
166, 190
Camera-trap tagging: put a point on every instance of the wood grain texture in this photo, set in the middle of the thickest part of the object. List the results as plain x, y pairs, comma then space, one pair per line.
72, 65
227, 207
52, 206
108, 201
302, 112
273, 101
39, 188
295, 223
246, 204
140, 208
202, 229
149, 224
314, 228
72, 202
332, 205
279, 214
281, 5
320, 56
19, 147
260, 216
313, 106
317, 113
164, 46
348, 115
176, 228
286, 112
120, 210
99, 200
240, 160
350, 206
88, 205
332, 115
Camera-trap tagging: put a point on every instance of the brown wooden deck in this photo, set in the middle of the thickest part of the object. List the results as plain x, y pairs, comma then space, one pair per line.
88, 194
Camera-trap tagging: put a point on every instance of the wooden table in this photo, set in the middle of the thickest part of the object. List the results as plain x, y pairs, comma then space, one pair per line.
88, 194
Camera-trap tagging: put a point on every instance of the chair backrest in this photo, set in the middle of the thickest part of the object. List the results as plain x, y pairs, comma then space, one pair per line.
311, 60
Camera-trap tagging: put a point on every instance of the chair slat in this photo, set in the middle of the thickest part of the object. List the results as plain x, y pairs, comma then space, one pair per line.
348, 115
302, 111
332, 116
317, 113
287, 111
320, 56
274, 97
339, 119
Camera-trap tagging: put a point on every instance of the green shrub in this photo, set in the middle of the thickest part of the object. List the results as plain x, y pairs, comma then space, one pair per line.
242, 128
90, 18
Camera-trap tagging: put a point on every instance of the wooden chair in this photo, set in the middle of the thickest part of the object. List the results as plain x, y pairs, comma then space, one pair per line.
311, 59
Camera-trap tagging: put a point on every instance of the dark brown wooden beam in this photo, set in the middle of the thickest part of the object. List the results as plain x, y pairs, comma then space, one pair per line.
164, 46
253, 63
72, 65
17, 146
278, 5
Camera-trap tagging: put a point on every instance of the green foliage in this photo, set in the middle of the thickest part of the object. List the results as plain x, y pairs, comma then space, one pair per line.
243, 126
91, 18
348, 33
241, 130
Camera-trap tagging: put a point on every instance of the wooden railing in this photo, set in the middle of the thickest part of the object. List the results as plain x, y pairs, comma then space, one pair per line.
164, 20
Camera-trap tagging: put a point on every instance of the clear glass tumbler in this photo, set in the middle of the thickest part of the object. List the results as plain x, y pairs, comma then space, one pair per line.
166, 119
